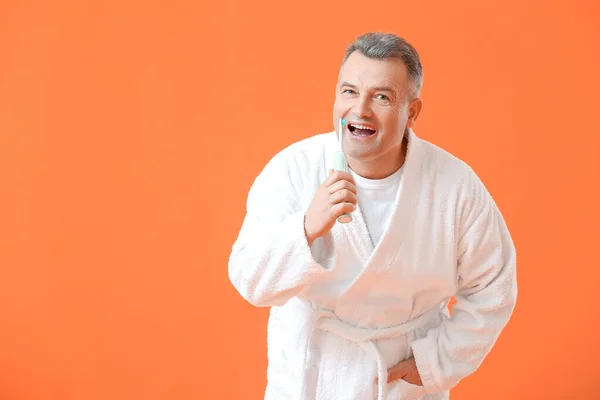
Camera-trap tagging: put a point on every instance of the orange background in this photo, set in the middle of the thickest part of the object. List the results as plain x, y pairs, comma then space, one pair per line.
120, 121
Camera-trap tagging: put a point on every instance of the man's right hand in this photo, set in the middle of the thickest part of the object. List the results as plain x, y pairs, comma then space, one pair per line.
335, 196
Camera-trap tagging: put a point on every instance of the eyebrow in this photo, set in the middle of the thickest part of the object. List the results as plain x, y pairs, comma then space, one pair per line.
378, 88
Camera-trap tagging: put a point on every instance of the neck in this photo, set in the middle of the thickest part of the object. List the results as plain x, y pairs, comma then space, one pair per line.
381, 167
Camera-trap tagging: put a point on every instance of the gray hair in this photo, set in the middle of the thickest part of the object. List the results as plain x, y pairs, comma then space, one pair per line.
378, 45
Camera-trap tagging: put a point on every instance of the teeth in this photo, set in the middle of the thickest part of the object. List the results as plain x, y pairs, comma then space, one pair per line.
363, 127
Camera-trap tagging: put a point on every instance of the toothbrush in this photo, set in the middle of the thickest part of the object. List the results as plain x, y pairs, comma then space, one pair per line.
340, 164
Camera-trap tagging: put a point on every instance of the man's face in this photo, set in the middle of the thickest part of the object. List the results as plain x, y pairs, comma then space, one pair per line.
373, 94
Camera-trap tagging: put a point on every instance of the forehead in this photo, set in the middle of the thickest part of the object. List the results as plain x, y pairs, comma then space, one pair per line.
366, 72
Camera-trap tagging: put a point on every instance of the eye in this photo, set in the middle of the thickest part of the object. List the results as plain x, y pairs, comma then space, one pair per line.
348, 91
382, 97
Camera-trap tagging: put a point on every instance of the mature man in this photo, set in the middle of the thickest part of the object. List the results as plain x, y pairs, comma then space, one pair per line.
359, 310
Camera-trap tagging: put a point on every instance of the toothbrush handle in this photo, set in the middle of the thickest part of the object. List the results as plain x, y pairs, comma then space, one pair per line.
339, 164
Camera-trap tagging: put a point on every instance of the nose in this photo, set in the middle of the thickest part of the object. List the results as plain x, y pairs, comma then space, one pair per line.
362, 107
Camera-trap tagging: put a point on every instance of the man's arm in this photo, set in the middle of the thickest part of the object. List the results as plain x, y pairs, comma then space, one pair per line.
271, 261
484, 303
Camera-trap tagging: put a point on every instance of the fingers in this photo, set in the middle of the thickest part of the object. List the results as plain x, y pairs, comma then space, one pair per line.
343, 195
395, 375
342, 185
342, 208
335, 176
391, 378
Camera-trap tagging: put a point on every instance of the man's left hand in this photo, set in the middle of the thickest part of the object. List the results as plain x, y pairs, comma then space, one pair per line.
406, 370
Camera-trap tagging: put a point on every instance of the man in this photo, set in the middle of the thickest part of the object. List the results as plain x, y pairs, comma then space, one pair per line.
359, 310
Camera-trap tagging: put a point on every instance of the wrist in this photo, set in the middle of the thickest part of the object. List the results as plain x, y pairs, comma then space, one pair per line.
310, 238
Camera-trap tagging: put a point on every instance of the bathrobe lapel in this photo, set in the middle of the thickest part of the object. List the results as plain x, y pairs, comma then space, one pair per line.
379, 258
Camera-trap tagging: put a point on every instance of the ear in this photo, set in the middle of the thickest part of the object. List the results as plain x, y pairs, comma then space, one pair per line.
414, 109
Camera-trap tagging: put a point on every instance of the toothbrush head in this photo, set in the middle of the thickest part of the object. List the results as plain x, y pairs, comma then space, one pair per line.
340, 130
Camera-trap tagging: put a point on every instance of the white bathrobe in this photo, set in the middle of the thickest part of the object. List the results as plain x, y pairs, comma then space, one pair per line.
345, 311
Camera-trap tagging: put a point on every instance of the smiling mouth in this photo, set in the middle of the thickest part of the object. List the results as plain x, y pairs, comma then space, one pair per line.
361, 130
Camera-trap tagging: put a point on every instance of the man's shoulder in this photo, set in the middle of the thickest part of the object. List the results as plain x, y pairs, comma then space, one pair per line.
443, 160
448, 168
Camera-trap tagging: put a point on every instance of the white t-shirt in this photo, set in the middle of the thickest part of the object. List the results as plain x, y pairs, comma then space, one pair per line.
376, 199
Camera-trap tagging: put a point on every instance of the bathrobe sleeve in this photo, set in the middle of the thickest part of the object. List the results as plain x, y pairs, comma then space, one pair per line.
271, 261
487, 292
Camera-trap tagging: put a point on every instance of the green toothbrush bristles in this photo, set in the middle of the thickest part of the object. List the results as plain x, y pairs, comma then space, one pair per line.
343, 122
